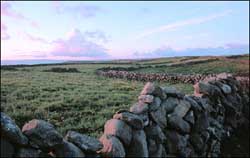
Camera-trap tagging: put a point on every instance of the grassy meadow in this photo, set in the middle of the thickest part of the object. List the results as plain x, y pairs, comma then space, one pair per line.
84, 101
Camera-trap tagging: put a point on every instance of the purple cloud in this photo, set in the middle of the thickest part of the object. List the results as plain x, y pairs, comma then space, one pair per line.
6, 10
77, 46
4, 34
82, 9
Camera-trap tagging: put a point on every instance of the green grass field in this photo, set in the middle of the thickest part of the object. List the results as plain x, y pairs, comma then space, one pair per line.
84, 101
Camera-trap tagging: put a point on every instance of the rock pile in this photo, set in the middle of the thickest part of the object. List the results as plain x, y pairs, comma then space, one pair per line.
163, 123
40, 139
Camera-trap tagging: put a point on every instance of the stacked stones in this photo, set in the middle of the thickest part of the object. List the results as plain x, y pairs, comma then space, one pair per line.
40, 139
164, 122
171, 78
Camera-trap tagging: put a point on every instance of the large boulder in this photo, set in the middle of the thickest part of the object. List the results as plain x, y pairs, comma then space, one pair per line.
84, 142
177, 123
131, 119
7, 149
138, 146
42, 134
112, 147
119, 129
68, 150
11, 131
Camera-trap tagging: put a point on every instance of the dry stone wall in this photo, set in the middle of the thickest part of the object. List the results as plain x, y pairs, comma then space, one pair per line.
171, 78
163, 123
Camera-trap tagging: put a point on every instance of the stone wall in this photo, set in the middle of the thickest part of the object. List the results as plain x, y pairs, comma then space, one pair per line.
163, 123
171, 78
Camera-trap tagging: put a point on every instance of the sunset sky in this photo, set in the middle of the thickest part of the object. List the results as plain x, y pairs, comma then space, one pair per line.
112, 30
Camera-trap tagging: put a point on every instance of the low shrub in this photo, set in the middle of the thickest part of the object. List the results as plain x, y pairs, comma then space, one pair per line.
62, 70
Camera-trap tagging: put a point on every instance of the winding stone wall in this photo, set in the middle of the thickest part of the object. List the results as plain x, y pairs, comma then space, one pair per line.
163, 123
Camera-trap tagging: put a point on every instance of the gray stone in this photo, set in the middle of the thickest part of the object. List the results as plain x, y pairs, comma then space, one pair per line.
30, 152
119, 129
173, 92
11, 131
112, 147
138, 146
42, 134
182, 108
155, 150
160, 117
151, 89
153, 131
158, 92
7, 149
84, 142
155, 104
176, 122
164, 152
202, 122
202, 88
152, 147
176, 143
131, 119
215, 149
190, 117
197, 142
226, 89
194, 105
146, 98
170, 104
68, 150
148, 88
139, 108
144, 118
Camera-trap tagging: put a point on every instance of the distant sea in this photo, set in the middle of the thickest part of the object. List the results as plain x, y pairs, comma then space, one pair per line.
30, 62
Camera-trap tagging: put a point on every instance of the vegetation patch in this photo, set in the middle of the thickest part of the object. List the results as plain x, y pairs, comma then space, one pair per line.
62, 70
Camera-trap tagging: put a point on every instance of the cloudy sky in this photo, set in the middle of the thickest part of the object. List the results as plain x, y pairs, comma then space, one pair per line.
112, 30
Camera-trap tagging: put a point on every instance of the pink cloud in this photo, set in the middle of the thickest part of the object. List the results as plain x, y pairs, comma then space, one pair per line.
76, 45
6, 10
4, 34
